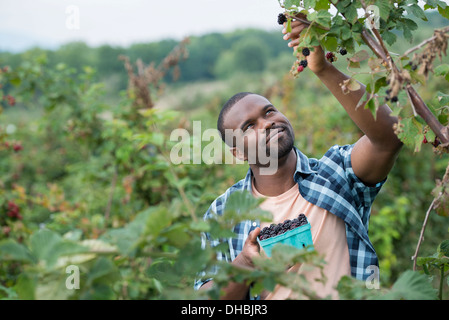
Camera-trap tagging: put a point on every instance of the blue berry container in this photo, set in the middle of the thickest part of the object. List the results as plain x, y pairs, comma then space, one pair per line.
300, 237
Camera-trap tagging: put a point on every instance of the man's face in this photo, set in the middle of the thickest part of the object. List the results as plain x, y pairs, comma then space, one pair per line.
259, 128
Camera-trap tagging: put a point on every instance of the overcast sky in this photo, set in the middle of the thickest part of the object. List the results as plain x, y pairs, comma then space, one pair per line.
48, 23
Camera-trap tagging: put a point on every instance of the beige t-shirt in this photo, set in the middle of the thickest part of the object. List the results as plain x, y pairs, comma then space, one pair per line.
329, 240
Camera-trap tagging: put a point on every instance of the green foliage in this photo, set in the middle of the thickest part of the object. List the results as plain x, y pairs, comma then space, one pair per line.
409, 286
437, 263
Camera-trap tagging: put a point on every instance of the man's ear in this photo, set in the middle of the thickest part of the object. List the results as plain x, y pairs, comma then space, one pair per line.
238, 154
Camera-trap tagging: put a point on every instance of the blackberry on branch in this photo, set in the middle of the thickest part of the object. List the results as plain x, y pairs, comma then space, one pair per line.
306, 52
282, 18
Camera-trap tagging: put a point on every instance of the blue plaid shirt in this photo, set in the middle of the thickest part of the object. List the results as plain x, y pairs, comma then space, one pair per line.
329, 183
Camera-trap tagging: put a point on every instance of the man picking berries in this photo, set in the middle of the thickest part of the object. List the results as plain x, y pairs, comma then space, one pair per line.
335, 192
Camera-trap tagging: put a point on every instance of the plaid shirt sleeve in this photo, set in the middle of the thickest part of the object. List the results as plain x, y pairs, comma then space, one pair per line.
241, 230
363, 195
215, 208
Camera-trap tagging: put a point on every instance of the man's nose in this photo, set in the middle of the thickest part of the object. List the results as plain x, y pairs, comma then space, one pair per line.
267, 124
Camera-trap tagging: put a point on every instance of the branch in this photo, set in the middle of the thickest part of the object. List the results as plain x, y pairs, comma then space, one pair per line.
422, 44
421, 236
379, 49
423, 111
111, 195
432, 206
305, 21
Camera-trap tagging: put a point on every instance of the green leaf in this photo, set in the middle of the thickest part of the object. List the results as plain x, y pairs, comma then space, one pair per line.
443, 9
351, 13
11, 250
410, 132
26, 287
158, 219
322, 5
441, 70
412, 286
384, 8
48, 246
389, 37
15, 81
346, 33
407, 26
309, 4
443, 99
380, 83
103, 271
330, 43
243, 206
321, 17
416, 11
443, 248
289, 25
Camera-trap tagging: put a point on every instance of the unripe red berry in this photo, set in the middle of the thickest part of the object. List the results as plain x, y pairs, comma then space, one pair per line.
17, 147
300, 68
424, 140
330, 56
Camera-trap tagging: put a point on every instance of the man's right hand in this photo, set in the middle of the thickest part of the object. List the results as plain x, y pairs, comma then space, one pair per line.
251, 249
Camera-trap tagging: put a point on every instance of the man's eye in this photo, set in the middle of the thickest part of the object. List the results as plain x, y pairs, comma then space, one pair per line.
269, 111
249, 127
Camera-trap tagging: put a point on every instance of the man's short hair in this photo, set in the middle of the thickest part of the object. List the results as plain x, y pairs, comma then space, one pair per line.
226, 107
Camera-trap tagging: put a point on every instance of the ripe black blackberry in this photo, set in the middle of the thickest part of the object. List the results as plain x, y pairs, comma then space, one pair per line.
303, 63
343, 51
282, 18
280, 228
306, 52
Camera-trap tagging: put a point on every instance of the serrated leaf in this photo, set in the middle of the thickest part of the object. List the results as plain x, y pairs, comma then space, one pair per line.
412, 286
416, 11
384, 8
409, 129
43, 242
389, 37
351, 13
321, 17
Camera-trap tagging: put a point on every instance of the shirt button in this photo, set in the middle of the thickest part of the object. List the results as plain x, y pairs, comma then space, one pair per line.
254, 224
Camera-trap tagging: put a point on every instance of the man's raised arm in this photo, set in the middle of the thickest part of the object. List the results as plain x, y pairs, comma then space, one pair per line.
375, 153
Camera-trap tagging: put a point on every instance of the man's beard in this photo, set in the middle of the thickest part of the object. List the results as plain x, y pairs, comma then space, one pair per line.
284, 145
269, 152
